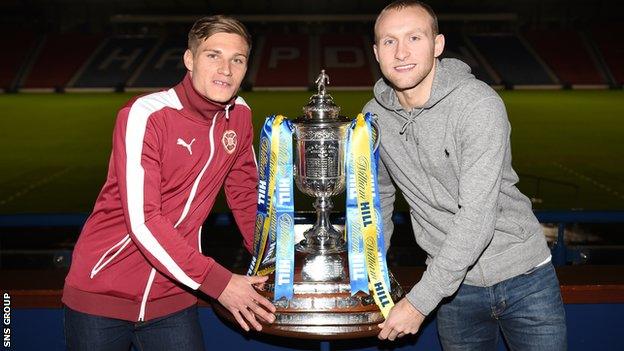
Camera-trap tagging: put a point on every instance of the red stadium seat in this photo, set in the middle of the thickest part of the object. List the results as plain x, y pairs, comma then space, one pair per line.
284, 62
565, 53
60, 58
609, 42
16, 47
346, 59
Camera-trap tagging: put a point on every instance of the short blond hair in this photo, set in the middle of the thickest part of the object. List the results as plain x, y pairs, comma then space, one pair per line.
402, 4
205, 27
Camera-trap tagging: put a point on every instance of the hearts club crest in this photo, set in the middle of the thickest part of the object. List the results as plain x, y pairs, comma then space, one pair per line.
229, 141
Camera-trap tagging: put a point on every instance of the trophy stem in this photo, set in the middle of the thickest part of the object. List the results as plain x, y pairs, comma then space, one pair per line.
322, 237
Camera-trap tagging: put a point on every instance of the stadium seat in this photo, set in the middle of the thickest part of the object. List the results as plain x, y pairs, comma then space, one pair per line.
347, 60
511, 59
455, 47
164, 68
608, 39
60, 58
21, 43
115, 62
566, 54
284, 61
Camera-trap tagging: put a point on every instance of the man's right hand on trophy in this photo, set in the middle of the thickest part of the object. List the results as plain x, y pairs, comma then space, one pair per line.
242, 300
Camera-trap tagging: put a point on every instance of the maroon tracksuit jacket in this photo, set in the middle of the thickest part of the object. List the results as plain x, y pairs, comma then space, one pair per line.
139, 252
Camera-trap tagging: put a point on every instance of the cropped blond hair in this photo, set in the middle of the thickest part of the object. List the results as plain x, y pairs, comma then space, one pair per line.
205, 27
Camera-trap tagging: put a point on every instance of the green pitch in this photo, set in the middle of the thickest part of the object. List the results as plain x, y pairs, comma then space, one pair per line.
568, 146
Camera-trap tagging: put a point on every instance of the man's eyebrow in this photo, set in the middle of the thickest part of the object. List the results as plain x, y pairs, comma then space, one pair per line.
419, 30
217, 51
387, 35
212, 50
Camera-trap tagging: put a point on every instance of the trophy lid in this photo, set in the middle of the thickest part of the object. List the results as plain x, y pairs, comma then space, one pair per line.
321, 107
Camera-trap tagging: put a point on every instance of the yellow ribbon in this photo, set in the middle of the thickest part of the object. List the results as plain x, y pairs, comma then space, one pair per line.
367, 218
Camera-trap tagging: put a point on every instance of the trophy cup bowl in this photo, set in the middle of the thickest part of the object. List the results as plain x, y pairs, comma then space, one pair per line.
322, 306
320, 137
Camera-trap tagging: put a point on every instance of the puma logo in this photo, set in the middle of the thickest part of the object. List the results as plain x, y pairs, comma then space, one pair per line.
187, 146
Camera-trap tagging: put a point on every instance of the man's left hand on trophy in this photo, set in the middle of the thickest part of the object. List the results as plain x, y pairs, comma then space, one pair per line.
403, 319
245, 304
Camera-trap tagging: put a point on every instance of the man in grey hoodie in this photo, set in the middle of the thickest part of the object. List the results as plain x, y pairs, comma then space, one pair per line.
445, 144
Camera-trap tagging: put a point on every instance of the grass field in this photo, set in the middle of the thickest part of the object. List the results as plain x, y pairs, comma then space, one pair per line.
56, 146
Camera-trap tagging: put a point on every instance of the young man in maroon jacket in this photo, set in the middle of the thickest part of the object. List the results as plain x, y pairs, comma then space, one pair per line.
138, 260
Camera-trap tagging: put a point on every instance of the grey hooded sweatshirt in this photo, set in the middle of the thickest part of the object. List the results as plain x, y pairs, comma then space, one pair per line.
451, 160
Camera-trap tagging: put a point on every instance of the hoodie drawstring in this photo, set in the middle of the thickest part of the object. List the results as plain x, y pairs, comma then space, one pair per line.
405, 126
410, 121
227, 112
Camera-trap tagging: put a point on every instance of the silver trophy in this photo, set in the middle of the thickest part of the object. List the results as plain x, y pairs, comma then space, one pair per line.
320, 139
322, 306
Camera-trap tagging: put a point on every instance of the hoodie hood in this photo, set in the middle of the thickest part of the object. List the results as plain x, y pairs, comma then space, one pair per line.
449, 75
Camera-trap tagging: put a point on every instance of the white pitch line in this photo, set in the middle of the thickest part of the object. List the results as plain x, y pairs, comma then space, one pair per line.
23, 191
591, 180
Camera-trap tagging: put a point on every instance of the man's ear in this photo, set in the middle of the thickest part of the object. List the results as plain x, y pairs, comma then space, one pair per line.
438, 45
375, 51
188, 60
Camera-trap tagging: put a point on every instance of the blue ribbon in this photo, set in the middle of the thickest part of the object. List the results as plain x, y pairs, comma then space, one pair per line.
381, 252
284, 205
264, 197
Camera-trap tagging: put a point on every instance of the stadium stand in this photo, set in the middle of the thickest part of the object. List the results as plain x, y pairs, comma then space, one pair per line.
456, 47
115, 62
567, 55
163, 68
60, 58
12, 60
608, 40
290, 55
511, 59
346, 59
284, 61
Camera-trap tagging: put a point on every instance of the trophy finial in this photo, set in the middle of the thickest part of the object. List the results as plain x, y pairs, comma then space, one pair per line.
321, 81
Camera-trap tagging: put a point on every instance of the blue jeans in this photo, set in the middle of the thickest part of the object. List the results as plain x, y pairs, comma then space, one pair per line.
177, 331
527, 309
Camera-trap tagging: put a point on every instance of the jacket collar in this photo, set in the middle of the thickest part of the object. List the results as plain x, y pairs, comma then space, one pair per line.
198, 106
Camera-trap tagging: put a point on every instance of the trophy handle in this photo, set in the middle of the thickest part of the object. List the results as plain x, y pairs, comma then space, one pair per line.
376, 132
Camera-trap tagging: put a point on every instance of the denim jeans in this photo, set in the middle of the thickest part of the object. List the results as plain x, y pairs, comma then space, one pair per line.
527, 309
177, 331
